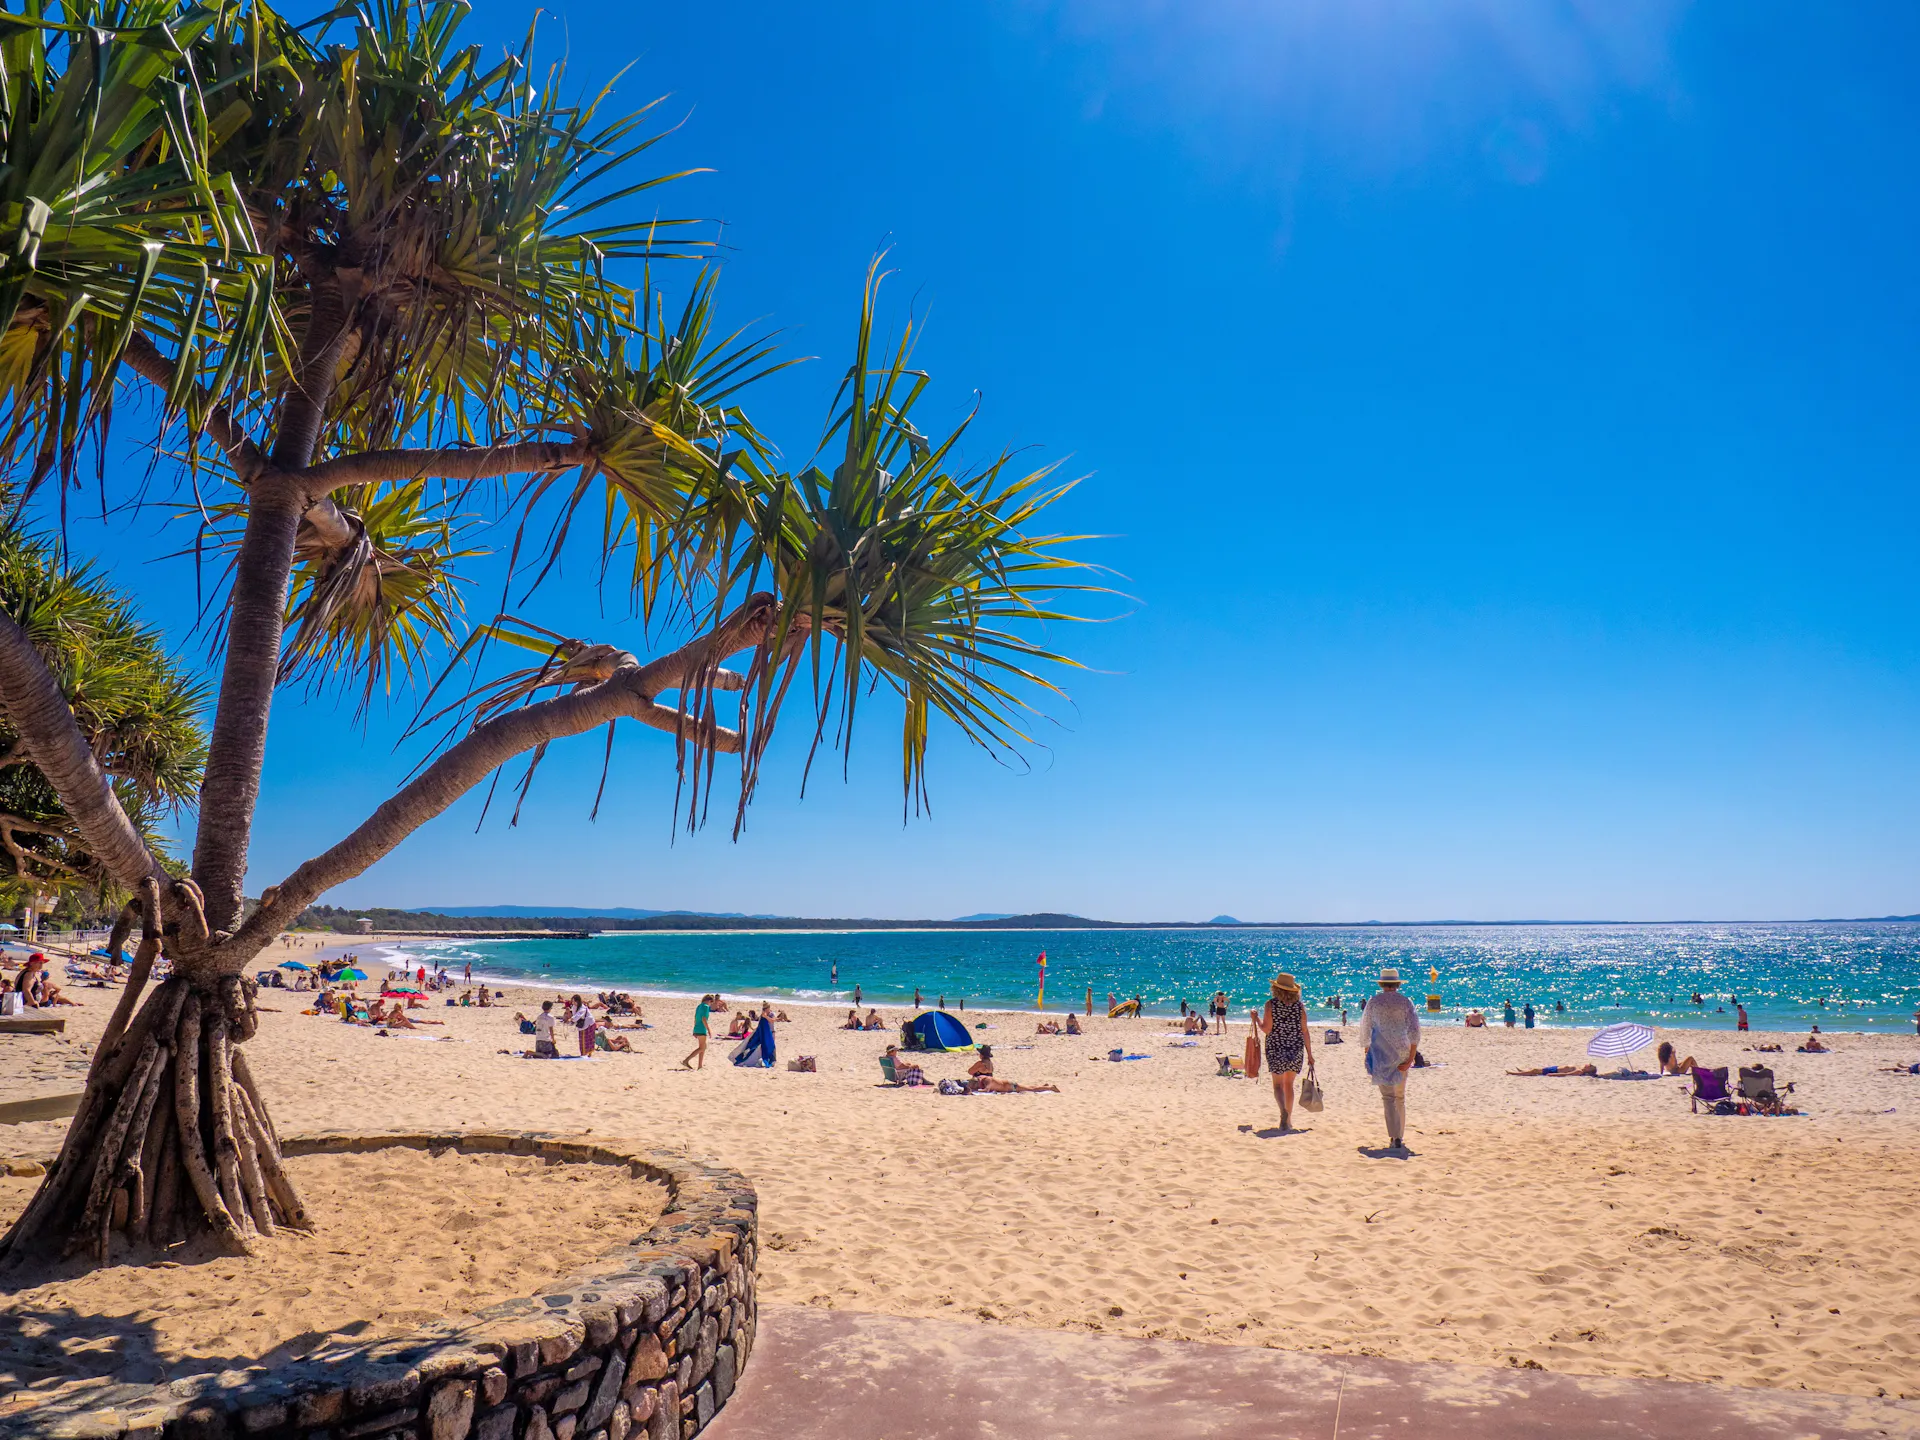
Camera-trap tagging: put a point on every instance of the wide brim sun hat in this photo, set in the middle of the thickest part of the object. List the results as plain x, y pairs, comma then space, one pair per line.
1389, 977
1285, 984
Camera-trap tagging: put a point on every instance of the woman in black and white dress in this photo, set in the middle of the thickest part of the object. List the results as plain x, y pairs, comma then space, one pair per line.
1288, 1043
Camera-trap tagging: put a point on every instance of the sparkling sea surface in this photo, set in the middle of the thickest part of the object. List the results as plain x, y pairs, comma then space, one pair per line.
1851, 976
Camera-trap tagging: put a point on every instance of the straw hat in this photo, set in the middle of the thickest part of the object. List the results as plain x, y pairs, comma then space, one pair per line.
1389, 977
1285, 986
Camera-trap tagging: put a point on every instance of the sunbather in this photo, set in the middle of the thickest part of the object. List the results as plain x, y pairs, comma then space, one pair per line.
853, 1021
1902, 1069
1048, 1027
1560, 1071
1814, 1045
905, 1072
987, 1085
604, 1041
1073, 1024
874, 1022
1671, 1064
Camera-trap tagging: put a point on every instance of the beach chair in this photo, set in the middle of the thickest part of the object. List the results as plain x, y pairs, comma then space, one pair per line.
1756, 1083
887, 1070
1709, 1086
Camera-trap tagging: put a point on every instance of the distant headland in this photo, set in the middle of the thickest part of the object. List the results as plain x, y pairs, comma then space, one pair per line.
532, 919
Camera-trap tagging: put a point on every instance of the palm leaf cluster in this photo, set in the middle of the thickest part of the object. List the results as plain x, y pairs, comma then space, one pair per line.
440, 252
137, 707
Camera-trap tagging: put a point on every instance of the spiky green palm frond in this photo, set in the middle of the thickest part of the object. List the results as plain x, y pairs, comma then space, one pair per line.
113, 225
372, 606
458, 201
901, 566
656, 408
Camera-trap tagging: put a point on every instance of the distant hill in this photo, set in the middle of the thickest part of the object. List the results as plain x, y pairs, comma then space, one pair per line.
571, 912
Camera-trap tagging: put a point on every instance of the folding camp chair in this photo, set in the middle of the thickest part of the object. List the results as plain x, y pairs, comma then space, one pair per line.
1709, 1086
1756, 1084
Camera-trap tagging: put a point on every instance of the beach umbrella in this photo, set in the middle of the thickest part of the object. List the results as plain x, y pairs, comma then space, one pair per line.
353, 972
1618, 1040
293, 965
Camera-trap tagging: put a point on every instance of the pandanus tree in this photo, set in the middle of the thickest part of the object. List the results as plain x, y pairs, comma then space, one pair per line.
369, 282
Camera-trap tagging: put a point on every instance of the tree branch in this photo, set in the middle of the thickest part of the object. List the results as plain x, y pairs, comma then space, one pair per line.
40, 715
478, 462
625, 695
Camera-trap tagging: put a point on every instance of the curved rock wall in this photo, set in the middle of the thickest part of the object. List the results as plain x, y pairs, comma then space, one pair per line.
645, 1343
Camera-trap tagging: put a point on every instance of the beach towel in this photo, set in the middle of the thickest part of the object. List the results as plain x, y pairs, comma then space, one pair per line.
757, 1048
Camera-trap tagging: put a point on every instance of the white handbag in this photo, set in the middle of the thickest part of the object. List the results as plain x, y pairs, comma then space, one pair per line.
1311, 1098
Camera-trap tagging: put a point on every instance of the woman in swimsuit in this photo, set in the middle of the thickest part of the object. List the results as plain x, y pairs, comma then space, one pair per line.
1287, 1042
1671, 1063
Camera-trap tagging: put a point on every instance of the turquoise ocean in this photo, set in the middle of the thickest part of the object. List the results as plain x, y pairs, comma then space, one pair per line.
1853, 976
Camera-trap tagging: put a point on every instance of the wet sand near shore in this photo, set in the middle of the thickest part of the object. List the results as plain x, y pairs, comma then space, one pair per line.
1586, 1226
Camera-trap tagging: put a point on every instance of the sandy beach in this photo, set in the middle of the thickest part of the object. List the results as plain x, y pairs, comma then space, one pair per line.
1587, 1226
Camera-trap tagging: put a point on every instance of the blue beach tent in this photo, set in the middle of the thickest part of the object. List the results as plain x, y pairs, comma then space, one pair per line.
937, 1030
757, 1048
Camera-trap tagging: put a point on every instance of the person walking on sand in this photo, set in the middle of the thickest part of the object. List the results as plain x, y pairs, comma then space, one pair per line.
697, 1057
1390, 1029
1285, 1025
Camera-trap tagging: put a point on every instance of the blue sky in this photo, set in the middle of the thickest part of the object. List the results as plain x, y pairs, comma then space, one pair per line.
1502, 416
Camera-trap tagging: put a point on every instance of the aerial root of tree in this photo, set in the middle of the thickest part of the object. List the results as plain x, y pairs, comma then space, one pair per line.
172, 1139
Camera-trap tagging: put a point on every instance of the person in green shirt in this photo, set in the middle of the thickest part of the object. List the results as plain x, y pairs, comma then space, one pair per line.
697, 1057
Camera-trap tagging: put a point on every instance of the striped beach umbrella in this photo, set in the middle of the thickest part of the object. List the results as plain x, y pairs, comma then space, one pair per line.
1618, 1040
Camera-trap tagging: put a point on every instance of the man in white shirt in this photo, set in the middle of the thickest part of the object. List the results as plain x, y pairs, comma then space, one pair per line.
543, 1045
1390, 1029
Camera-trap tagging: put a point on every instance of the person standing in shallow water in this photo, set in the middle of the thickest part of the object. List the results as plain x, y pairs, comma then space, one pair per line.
1390, 1029
1287, 1042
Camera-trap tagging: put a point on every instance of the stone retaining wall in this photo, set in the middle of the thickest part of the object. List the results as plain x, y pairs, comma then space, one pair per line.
644, 1343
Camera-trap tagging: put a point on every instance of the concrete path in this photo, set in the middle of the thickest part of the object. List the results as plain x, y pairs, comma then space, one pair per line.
837, 1375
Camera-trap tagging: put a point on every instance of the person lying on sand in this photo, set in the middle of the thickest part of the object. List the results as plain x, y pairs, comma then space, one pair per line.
987, 1085
604, 1041
1814, 1046
1560, 1071
1048, 1027
1670, 1064
1902, 1069
981, 1079
1767, 1049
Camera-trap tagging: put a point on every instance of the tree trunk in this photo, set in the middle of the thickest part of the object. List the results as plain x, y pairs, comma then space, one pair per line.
172, 1139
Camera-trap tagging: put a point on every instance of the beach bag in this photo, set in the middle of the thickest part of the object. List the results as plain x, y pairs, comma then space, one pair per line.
952, 1087
1311, 1098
